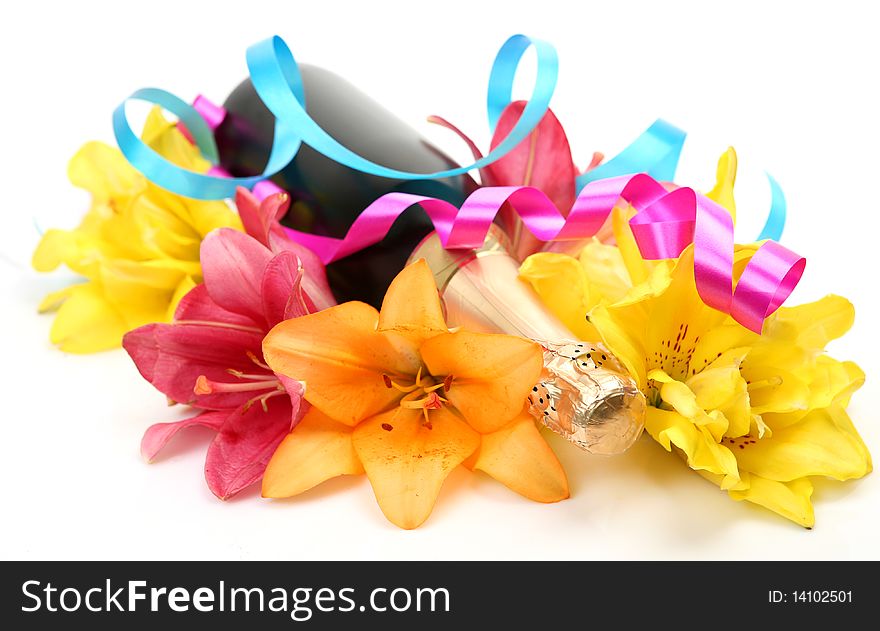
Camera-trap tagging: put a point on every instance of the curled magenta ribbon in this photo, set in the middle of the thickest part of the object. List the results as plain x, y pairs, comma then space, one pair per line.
665, 224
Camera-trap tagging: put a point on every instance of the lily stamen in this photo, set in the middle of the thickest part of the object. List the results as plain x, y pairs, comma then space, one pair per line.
764, 383
207, 386
393, 384
254, 359
244, 375
263, 398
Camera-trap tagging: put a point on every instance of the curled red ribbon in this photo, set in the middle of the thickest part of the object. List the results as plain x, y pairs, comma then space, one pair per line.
665, 224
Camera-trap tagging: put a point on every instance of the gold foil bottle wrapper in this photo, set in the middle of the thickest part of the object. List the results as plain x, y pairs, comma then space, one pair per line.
584, 393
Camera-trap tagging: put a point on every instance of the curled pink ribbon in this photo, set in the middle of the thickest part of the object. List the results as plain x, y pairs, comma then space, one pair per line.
665, 224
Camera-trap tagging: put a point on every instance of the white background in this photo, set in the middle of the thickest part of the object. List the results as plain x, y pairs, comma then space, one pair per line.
791, 85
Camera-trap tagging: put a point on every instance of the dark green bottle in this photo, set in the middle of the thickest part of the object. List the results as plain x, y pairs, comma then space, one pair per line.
329, 196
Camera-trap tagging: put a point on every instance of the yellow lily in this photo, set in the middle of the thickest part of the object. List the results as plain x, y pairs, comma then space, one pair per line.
137, 247
397, 396
759, 415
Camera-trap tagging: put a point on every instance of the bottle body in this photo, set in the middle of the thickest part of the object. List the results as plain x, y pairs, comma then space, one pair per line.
328, 196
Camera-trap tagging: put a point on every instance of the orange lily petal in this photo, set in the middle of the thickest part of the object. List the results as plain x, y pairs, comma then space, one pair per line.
407, 462
492, 374
342, 359
412, 305
519, 457
316, 450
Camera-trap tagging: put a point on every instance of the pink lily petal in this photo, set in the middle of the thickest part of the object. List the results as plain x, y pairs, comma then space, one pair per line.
233, 264
282, 292
197, 306
158, 435
478, 155
295, 390
261, 218
173, 356
316, 289
239, 453
543, 160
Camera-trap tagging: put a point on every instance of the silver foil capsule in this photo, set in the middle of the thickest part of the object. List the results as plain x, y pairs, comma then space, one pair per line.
584, 393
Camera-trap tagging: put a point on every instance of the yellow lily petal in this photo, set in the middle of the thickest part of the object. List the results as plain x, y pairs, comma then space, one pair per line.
52, 301
702, 451
163, 137
721, 387
722, 193
678, 319
824, 442
183, 288
342, 358
407, 461
316, 450
80, 251
606, 273
105, 173
789, 499
519, 457
411, 306
684, 401
139, 292
816, 323
774, 390
637, 268
832, 381
623, 331
86, 322
561, 283
207, 216
491, 374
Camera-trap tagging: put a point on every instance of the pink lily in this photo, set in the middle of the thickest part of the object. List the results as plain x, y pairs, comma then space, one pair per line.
543, 160
210, 357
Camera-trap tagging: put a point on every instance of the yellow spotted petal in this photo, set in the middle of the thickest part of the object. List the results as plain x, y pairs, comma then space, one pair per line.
561, 283
519, 457
824, 442
87, 322
316, 450
789, 499
407, 461
702, 451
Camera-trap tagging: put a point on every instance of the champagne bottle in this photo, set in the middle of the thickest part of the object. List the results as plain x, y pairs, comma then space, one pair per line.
328, 196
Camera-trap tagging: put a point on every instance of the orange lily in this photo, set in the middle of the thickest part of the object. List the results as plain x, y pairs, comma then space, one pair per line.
399, 397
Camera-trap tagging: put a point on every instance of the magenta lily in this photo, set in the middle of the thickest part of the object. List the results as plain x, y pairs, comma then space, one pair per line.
210, 357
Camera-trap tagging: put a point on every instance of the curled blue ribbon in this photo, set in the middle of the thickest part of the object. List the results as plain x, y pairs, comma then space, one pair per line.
277, 80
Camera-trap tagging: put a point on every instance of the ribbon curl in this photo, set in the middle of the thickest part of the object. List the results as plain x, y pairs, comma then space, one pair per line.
665, 224
276, 78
